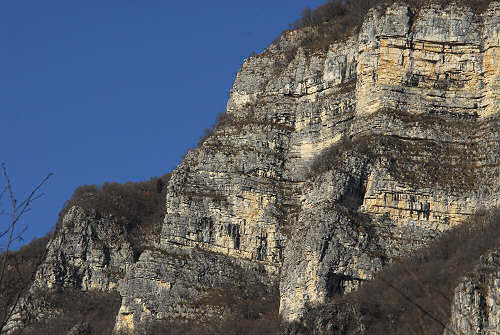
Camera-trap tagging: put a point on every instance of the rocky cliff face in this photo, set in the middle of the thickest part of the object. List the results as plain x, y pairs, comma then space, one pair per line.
434, 144
418, 95
88, 252
476, 304
329, 163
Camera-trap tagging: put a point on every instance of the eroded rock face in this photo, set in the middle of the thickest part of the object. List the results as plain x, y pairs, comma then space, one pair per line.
476, 304
89, 252
425, 130
188, 284
418, 93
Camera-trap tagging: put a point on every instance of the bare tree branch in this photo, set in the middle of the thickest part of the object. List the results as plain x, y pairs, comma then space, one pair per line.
10, 234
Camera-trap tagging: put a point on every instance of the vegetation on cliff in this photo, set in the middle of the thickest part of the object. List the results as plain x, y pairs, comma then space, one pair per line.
20, 265
138, 202
16, 268
250, 310
336, 19
413, 295
139, 205
79, 312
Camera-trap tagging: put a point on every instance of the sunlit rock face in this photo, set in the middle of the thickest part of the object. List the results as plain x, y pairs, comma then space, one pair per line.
90, 252
418, 95
410, 106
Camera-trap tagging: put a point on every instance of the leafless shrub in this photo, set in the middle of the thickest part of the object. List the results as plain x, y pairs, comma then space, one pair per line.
140, 205
96, 309
221, 120
16, 268
336, 19
414, 294
251, 308
333, 155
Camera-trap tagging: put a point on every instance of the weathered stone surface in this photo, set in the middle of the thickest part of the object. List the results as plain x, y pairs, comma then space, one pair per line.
476, 304
439, 153
89, 252
419, 88
185, 283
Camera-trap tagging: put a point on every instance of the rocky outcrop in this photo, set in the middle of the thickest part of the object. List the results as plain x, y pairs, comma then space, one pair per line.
476, 304
89, 252
188, 284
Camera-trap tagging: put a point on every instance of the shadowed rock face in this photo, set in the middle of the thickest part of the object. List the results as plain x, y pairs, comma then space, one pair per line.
417, 97
476, 304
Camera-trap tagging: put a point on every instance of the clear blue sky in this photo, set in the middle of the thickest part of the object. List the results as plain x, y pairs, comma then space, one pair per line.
117, 90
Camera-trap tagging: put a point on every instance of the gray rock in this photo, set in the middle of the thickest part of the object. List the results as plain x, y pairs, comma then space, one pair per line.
82, 328
476, 303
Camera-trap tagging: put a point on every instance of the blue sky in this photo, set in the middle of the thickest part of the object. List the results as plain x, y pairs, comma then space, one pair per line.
117, 90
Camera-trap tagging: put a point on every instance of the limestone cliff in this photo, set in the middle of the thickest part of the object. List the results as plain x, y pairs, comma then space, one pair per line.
328, 164
476, 304
88, 252
417, 94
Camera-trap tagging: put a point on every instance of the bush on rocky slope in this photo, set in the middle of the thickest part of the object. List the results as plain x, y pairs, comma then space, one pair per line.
141, 205
81, 312
250, 315
139, 202
335, 20
414, 294
411, 163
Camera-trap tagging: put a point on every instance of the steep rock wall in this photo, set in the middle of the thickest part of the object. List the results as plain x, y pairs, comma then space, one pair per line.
432, 146
476, 304
87, 252
418, 94
410, 106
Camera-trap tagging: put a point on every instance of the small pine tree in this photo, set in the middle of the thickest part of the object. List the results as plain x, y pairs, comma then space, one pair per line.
159, 185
